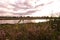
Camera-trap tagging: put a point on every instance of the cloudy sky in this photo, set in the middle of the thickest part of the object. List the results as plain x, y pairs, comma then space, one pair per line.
29, 7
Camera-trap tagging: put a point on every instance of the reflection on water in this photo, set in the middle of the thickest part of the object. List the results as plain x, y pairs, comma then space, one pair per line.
23, 21
40, 20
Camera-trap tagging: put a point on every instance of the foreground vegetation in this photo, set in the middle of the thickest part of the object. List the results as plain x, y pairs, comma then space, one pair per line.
31, 31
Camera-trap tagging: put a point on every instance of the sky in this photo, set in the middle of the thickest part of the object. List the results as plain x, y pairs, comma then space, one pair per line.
29, 7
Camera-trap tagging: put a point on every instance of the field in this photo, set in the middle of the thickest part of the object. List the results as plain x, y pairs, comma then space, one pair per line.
29, 31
